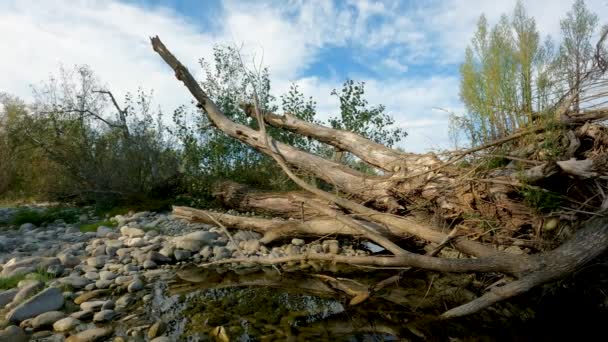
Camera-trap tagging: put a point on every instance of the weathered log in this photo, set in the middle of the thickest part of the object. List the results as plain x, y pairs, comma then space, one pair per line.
245, 199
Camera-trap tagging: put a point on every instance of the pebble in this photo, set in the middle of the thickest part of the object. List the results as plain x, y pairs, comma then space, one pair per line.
90, 335
135, 285
65, 324
104, 316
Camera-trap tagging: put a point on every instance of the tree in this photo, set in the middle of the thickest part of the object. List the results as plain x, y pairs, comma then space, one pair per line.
393, 209
576, 50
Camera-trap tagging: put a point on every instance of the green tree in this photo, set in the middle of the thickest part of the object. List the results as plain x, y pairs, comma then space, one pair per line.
576, 50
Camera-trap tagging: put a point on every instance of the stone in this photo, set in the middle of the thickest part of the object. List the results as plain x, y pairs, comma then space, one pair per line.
48, 300
108, 305
68, 260
206, 252
125, 302
28, 290
331, 246
196, 240
135, 285
297, 242
91, 275
244, 235
26, 227
92, 305
103, 284
7, 296
149, 264
103, 231
65, 324
251, 246
123, 280
46, 319
167, 251
91, 335
136, 242
157, 329
181, 254
90, 295
130, 268
221, 252
27, 265
107, 275
13, 333
82, 315
55, 270
158, 258
98, 261
104, 316
131, 232
74, 281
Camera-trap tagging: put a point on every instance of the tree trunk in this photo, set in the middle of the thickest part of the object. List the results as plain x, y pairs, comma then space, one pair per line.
410, 198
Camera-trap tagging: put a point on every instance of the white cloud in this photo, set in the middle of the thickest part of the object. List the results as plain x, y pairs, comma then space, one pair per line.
393, 37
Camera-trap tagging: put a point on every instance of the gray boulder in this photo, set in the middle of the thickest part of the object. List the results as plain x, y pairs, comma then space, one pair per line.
50, 299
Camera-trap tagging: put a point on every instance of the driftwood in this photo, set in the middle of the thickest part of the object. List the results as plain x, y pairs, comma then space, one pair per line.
410, 194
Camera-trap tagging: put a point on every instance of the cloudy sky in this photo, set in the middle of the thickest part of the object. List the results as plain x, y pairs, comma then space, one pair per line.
407, 52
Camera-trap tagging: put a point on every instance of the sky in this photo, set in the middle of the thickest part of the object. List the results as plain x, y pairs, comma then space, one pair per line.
407, 52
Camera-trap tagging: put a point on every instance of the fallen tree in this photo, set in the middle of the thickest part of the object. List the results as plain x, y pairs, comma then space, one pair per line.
459, 202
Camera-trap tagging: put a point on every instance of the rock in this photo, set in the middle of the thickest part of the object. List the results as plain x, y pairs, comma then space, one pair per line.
68, 260
147, 298
123, 280
158, 258
244, 235
13, 333
90, 335
55, 270
131, 268
206, 252
297, 242
131, 232
149, 264
331, 246
196, 240
26, 265
48, 300
181, 254
251, 246
28, 290
108, 305
107, 275
46, 319
98, 261
65, 324
136, 285
103, 284
74, 281
90, 295
82, 315
167, 251
136, 242
91, 275
104, 316
125, 302
26, 227
103, 231
221, 252
292, 250
7, 296
156, 329
92, 305
161, 339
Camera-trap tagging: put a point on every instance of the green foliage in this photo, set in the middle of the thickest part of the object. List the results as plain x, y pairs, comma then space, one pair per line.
357, 116
41, 216
511, 78
11, 282
543, 200
92, 227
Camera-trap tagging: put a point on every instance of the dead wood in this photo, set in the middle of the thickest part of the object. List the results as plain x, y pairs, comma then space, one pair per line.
384, 208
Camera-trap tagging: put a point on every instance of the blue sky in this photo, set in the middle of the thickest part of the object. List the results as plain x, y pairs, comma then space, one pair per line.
407, 52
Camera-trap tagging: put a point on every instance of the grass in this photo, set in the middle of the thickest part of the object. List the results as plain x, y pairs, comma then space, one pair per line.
92, 227
38, 217
11, 282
